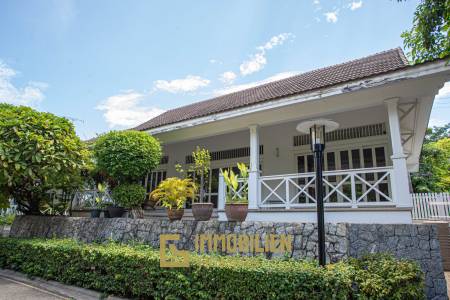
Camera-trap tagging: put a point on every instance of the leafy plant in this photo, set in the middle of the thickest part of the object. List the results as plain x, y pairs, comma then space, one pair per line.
434, 165
38, 152
202, 165
237, 185
200, 169
7, 218
134, 271
429, 37
127, 155
129, 195
173, 192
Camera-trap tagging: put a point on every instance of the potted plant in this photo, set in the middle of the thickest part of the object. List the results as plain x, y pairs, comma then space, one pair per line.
172, 194
130, 196
236, 204
201, 209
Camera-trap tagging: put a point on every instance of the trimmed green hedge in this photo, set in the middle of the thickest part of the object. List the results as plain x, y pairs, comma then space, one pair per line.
134, 271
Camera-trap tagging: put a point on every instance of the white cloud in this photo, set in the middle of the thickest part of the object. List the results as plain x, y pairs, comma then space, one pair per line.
215, 61
254, 64
355, 5
240, 87
444, 92
228, 77
331, 16
31, 94
189, 84
124, 109
258, 60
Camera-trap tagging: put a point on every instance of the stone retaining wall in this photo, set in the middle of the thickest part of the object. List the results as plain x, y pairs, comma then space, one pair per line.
416, 242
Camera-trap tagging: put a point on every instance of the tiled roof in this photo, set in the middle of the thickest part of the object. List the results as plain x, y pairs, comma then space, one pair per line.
376, 64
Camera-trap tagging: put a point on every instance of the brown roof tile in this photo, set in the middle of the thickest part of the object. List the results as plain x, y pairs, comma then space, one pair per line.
376, 64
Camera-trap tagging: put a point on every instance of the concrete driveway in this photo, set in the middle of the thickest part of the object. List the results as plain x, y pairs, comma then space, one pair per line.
11, 289
17, 286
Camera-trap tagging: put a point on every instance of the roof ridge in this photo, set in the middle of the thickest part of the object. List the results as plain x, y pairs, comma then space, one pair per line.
398, 49
377, 63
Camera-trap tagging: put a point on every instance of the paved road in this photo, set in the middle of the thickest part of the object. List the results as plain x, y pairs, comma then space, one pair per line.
15, 290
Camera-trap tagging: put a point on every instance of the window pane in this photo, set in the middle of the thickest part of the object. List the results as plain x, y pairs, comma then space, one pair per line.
331, 162
310, 160
214, 180
344, 160
331, 165
380, 157
301, 168
368, 163
368, 159
356, 159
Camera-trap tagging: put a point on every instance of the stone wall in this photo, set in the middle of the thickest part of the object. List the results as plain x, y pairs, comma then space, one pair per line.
416, 242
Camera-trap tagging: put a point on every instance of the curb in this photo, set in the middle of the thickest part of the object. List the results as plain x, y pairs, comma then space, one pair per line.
59, 289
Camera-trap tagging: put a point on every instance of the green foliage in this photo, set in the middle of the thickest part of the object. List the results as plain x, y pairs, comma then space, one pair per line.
429, 37
233, 184
434, 165
129, 195
199, 170
38, 152
127, 155
173, 192
382, 277
134, 271
7, 219
202, 164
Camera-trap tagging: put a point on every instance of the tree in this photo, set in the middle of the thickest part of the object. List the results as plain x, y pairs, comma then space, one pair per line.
38, 152
434, 165
429, 36
127, 155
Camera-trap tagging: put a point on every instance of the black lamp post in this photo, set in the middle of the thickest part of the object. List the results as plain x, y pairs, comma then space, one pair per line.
317, 136
317, 130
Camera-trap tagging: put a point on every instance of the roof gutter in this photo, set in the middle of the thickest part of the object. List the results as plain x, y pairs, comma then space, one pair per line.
412, 72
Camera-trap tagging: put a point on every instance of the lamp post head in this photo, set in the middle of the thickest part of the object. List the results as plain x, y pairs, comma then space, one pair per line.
317, 130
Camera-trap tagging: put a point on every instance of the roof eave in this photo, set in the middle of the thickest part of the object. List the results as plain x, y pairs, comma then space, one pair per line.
409, 72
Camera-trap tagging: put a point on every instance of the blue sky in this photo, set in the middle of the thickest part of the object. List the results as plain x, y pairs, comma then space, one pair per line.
113, 64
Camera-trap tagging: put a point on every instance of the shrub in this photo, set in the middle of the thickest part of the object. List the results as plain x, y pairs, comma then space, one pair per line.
134, 271
7, 219
382, 277
129, 195
38, 152
127, 155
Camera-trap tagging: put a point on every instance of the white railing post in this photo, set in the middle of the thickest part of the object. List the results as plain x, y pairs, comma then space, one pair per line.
253, 178
221, 193
399, 179
353, 186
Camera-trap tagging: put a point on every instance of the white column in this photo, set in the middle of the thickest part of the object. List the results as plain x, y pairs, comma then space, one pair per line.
400, 181
221, 193
253, 179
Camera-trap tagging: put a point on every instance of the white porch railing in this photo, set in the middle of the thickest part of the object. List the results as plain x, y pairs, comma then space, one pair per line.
343, 188
431, 206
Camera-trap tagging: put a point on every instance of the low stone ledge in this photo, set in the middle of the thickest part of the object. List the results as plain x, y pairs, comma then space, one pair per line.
407, 241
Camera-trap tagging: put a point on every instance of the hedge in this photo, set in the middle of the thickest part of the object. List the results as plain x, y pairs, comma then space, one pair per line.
134, 271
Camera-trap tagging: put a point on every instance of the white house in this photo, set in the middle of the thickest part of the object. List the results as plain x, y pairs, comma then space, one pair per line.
382, 105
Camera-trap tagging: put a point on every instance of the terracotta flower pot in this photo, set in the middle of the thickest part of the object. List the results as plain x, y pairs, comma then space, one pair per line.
175, 214
115, 211
202, 211
236, 211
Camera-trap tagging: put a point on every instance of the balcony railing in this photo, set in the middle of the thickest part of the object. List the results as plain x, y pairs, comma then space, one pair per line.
343, 188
